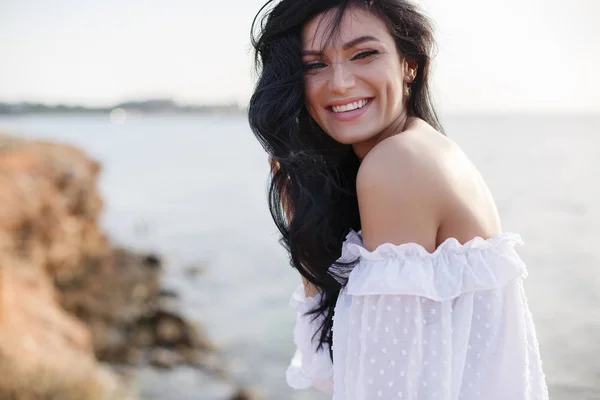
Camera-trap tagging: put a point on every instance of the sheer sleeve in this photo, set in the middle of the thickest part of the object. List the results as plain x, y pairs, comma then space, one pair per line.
451, 325
308, 367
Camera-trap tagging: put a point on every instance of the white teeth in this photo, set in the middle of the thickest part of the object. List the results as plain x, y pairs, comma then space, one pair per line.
350, 107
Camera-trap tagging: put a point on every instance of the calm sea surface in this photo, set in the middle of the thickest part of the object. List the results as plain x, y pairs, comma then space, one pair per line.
193, 189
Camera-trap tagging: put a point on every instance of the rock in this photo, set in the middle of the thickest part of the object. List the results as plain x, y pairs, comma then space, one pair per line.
70, 302
169, 294
41, 343
47, 229
144, 337
247, 394
192, 356
140, 292
169, 331
50, 205
134, 356
152, 261
163, 358
194, 271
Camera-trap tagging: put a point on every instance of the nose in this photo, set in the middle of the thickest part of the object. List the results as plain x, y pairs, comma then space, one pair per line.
341, 79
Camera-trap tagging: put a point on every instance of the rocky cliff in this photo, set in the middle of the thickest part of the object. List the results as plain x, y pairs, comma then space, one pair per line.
69, 302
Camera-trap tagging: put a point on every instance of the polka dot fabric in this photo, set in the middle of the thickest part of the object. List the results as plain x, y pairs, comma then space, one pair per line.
449, 325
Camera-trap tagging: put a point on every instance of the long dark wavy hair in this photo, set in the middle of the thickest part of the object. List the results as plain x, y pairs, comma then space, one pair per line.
312, 191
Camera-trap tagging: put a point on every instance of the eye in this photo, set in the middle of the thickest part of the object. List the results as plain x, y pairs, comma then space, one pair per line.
314, 65
365, 54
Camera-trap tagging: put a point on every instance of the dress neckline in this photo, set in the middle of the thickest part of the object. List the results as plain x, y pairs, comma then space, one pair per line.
450, 243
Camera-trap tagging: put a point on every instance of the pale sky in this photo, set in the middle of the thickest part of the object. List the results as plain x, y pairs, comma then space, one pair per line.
494, 55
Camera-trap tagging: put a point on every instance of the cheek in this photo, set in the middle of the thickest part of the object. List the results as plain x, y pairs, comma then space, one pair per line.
394, 90
311, 98
390, 78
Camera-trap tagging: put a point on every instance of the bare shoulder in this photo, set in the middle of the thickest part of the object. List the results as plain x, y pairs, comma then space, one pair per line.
417, 153
403, 189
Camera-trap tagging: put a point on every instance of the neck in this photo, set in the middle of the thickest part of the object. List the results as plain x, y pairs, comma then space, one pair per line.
398, 126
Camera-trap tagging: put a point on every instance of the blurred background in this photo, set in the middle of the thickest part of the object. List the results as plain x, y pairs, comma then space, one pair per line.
134, 193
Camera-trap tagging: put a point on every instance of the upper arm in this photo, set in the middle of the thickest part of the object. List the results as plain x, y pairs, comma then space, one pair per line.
401, 194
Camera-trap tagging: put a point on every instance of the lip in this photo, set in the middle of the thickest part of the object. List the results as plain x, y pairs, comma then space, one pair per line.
351, 115
347, 101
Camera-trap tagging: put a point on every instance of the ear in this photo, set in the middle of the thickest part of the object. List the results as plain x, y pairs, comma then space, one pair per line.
409, 69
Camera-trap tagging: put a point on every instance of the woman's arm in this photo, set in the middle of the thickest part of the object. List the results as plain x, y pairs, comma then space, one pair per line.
401, 196
309, 289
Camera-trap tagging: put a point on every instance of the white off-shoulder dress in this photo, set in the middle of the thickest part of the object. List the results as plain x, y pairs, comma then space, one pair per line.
449, 325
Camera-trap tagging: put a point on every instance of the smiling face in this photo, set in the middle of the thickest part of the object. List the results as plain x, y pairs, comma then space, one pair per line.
354, 87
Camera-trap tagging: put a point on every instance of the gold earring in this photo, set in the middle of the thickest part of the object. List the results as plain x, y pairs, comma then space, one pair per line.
407, 90
411, 75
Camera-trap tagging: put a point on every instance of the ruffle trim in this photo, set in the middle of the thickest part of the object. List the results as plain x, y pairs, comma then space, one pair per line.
308, 367
302, 303
452, 269
319, 373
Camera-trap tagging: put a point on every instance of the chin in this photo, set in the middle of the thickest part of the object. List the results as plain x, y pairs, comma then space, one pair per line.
351, 136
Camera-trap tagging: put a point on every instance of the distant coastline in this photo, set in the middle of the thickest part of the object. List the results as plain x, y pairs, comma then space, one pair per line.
168, 106
150, 106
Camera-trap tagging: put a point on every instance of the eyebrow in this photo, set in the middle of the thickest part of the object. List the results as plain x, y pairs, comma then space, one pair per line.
346, 46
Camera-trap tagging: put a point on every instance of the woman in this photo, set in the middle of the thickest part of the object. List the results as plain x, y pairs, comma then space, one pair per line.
390, 225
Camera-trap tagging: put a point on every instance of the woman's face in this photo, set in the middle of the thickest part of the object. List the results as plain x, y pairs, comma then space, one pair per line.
355, 88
